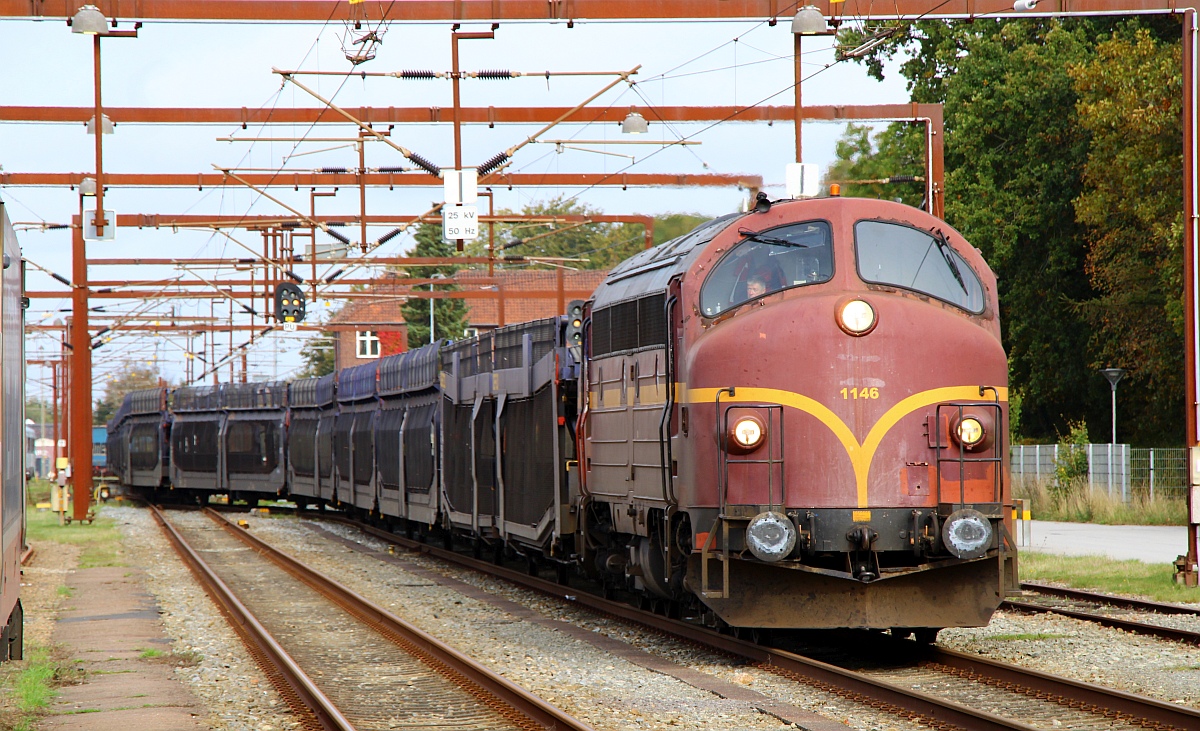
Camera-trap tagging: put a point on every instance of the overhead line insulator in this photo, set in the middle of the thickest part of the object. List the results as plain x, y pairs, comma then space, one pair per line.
392, 170
332, 170
417, 74
389, 236
339, 237
425, 165
493, 164
495, 74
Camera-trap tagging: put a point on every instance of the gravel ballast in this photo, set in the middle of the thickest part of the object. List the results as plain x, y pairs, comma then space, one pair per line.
605, 691
237, 694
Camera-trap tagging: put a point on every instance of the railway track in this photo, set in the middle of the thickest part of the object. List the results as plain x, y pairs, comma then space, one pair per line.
937, 687
1097, 608
319, 644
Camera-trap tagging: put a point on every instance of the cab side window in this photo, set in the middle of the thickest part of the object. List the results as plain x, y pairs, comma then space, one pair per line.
768, 261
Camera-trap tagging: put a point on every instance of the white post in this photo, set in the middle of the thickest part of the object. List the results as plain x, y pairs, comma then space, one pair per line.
1110, 467
1151, 474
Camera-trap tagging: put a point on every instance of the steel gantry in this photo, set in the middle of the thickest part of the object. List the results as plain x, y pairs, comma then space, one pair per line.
572, 11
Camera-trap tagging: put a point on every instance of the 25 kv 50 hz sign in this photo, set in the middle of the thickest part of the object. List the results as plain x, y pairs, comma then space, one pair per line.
460, 222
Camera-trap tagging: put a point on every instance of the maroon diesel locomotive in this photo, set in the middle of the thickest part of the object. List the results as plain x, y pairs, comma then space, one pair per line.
798, 417
789, 418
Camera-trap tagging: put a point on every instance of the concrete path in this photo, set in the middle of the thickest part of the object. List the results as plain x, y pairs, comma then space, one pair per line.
1148, 543
107, 625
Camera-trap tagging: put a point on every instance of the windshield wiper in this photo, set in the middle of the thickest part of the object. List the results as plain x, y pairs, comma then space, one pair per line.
944, 247
748, 235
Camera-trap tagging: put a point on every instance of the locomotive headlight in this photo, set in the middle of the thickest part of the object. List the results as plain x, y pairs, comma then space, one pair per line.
975, 432
748, 432
970, 431
856, 317
771, 536
967, 533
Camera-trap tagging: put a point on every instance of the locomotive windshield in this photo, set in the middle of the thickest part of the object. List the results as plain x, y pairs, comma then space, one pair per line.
915, 259
766, 262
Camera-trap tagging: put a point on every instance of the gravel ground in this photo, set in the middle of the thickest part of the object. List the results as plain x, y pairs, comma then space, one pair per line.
607, 692
1165, 670
40, 581
1072, 648
239, 697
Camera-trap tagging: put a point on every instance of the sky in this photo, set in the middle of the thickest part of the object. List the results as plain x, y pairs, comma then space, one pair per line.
230, 65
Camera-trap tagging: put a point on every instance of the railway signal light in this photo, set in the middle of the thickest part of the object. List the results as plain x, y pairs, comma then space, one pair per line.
289, 302
575, 323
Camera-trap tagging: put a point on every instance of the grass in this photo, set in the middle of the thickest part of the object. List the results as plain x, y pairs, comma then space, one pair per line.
30, 685
151, 653
1154, 581
100, 541
1076, 504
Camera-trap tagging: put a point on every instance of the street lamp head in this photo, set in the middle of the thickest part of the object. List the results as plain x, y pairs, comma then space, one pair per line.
89, 21
1113, 375
809, 22
634, 124
87, 186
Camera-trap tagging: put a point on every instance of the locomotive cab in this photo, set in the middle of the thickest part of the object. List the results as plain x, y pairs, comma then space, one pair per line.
832, 447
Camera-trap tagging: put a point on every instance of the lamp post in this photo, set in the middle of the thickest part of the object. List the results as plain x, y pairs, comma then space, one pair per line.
88, 20
808, 22
1114, 375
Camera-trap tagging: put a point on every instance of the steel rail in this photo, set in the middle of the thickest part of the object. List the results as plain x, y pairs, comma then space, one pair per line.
1090, 697
530, 706
849, 684
1116, 601
1128, 625
305, 699
1073, 693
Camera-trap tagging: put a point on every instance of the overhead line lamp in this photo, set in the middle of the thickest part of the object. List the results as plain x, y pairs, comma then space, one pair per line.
88, 20
809, 21
106, 125
634, 124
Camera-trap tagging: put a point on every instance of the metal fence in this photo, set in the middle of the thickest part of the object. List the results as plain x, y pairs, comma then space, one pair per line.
1116, 469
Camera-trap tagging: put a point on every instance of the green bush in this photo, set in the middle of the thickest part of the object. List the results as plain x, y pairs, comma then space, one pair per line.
1071, 464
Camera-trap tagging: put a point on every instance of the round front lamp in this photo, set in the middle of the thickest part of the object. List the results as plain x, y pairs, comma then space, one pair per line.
771, 536
967, 533
856, 317
969, 431
748, 432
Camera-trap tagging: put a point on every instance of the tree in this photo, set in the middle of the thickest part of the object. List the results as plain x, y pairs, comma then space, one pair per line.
895, 151
450, 315
41, 411
130, 377
593, 245
319, 356
1130, 101
1017, 147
